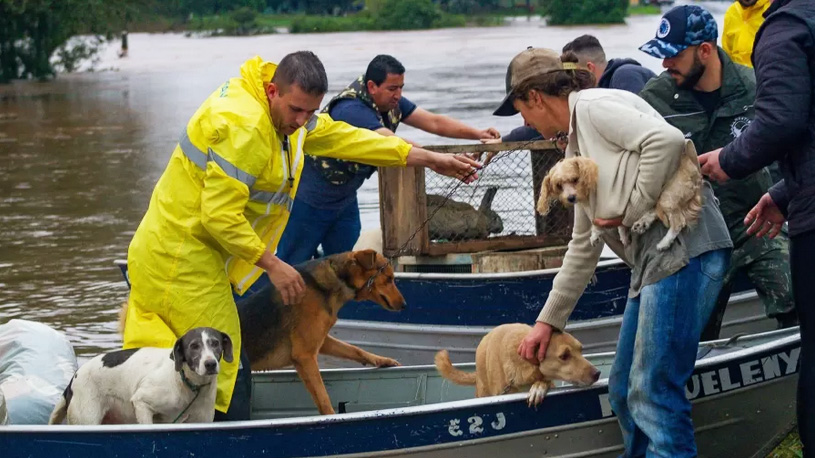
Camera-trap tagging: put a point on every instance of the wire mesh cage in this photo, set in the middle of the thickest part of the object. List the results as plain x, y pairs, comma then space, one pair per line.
434, 214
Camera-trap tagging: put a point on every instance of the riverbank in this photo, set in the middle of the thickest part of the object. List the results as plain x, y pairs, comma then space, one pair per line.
247, 23
263, 24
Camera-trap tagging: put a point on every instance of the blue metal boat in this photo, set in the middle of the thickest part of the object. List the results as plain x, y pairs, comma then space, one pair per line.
743, 396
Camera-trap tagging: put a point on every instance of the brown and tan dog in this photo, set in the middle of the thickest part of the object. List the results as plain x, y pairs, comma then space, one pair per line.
277, 335
500, 370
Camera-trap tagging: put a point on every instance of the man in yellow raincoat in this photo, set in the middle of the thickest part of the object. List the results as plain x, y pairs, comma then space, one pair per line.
219, 208
741, 22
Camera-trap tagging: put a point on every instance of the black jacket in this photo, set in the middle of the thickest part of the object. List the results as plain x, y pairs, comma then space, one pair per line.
625, 74
784, 126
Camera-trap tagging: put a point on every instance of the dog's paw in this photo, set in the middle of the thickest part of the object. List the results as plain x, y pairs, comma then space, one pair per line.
537, 393
664, 245
381, 361
640, 227
595, 238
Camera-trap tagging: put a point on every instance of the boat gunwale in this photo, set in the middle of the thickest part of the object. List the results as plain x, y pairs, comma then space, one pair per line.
473, 276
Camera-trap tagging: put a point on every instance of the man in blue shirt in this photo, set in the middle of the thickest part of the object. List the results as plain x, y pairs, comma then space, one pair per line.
325, 210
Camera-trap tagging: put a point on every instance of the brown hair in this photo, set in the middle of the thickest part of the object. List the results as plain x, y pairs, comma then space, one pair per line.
559, 83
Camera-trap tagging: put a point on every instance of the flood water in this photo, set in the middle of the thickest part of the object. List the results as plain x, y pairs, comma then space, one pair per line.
79, 155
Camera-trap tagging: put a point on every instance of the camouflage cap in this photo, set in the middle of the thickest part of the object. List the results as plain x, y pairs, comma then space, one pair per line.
681, 27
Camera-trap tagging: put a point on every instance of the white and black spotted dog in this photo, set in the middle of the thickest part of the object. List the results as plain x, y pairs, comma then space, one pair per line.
148, 385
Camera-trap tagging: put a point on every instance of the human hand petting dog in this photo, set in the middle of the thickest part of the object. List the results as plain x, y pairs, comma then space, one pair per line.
709, 162
284, 277
765, 218
533, 347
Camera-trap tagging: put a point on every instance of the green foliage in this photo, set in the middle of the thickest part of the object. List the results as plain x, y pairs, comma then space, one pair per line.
317, 24
574, 12
468, 6
386, 15
30, 31
245, 20
407, 14
642, 10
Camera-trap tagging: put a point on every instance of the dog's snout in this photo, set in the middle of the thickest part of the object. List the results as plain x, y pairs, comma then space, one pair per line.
211, 365
572, 199
596, 375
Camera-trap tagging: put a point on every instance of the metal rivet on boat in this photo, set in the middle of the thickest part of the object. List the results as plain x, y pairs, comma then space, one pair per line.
676, 96
599, 431
547, 437
556, 436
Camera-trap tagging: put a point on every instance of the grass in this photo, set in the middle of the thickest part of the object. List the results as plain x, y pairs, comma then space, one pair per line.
642, 10
790, 447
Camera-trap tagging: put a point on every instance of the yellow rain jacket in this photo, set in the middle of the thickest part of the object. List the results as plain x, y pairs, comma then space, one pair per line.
740, 27
223, 200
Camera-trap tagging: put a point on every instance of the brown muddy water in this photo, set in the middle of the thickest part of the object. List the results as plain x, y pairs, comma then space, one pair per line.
79, 155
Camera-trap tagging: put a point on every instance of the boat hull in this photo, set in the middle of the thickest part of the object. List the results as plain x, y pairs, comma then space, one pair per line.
743, 402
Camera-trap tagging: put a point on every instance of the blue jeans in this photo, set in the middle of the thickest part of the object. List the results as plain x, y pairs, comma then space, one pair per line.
656, 354
309, 227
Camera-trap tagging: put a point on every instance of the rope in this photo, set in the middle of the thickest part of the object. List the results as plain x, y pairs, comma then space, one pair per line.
194, 388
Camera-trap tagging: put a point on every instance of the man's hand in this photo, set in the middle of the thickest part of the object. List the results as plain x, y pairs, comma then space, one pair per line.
608, 223
459, 166
765, 218
283, 276
488, 134
710, 166
533, 347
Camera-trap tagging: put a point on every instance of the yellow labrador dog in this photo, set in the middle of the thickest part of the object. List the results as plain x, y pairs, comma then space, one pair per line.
500, 370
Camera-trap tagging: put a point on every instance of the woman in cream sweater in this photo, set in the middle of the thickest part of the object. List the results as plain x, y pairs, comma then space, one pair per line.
672, 292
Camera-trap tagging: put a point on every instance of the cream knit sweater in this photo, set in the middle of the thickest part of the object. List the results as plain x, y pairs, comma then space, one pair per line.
636, 152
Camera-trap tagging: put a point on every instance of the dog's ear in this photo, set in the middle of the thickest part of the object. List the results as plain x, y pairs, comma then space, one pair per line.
545, 195
587, 173
177, 354
366, 259
226, 344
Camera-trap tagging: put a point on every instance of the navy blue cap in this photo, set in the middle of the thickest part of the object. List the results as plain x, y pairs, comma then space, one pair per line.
679, 28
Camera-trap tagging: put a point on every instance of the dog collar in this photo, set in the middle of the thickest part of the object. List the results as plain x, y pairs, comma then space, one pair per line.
195, 388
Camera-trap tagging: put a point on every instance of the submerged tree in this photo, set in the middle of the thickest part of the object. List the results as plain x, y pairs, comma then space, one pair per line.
31, 30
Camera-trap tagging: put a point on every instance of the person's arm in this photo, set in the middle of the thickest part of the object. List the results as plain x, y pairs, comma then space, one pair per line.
337, 139
356, 113
659, 145
389, 133
579, 264
231, 170
446, 126
235, 160
783, 95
